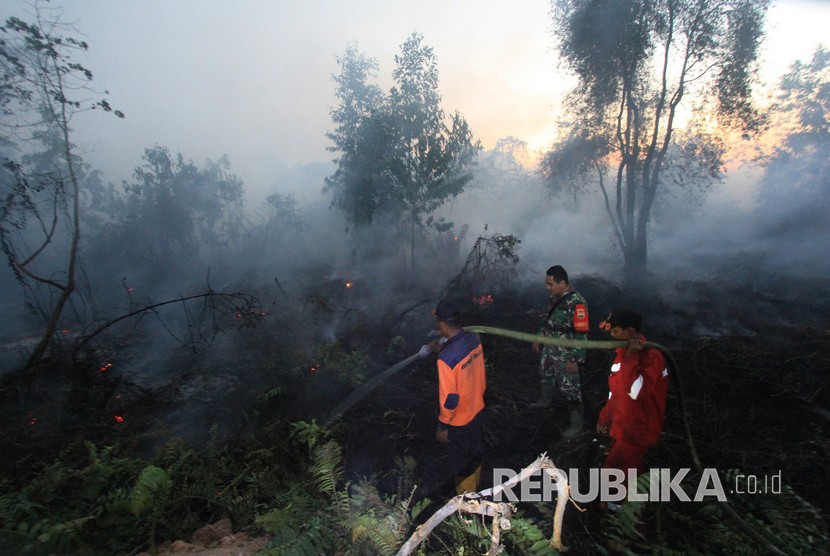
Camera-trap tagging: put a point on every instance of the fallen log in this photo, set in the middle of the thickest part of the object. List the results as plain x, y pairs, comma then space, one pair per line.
476, 503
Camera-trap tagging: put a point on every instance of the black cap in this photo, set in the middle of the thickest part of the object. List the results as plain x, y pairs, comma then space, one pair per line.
448, 311
625, 318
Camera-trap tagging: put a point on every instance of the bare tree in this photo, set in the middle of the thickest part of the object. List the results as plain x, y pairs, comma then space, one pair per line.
44, 88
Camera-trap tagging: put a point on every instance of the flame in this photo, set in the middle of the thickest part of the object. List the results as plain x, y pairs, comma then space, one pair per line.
119, 419
314, 368
348, 284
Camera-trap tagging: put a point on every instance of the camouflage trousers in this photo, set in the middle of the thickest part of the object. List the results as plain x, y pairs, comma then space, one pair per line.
552, 371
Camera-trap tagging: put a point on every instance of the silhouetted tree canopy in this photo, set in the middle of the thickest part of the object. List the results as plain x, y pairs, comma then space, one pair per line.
795, 191
173, 212
400, 154
637, 63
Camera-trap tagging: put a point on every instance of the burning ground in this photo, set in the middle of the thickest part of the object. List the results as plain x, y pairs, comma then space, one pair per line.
231, 427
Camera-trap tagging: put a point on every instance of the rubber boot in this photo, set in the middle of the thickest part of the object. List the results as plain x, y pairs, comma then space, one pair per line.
576, 418
466, 484
470, 483
545, 397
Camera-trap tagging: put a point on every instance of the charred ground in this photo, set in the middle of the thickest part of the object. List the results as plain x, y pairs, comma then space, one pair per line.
752, 359
755, 391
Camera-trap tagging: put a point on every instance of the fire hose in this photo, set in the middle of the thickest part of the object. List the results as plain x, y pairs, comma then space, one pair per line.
674, 377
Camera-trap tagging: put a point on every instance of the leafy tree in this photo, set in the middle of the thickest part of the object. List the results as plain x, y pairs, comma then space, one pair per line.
638, 64
275, 234
43, 88
359, 134
794, 192
401, 157
173, 212
433, 158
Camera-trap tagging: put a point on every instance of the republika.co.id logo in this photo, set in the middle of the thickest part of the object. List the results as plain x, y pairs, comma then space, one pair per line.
610, 485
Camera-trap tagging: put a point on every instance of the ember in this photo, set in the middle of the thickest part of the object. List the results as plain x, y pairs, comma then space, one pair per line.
314, 368
486, 299
119, 419
105, 367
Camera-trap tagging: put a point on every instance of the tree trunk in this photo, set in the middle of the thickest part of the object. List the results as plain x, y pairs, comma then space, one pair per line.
412, 245
636, 258
69, 287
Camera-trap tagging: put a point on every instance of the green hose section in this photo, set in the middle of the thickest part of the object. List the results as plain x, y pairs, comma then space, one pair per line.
674, 376
563, 342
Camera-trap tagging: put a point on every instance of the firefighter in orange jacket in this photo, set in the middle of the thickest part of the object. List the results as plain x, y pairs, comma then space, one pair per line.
461, 385
637, 384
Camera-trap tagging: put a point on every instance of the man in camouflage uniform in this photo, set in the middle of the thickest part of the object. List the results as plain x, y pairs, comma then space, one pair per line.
566, 317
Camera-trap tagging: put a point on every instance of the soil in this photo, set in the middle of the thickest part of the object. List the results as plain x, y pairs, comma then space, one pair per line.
215, 539
241, 545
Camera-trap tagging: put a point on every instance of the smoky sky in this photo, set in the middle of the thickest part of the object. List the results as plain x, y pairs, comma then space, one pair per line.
252, 79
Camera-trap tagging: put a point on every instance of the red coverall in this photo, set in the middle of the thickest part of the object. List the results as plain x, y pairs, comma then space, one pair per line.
636, 406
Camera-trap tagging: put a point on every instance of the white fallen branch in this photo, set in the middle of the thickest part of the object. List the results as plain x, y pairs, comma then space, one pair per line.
477, 503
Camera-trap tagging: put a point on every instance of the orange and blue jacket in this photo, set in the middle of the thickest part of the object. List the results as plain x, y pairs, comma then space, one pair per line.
461, 379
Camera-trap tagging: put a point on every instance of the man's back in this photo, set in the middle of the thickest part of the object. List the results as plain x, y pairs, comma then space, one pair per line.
461, 379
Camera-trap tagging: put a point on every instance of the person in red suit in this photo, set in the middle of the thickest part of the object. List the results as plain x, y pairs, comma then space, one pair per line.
637, 384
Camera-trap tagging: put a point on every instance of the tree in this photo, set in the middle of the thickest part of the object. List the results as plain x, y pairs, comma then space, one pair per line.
638, 64
433, 157
173, 212
43, 89
400, 155
794, 191
361, 140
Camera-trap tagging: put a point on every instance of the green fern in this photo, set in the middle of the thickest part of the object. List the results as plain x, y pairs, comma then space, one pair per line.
405, 468
309, 433
465, 534
63, 536
294, 532
151, 491
395, 346
328, 474
527, 537
271, 394
380, 535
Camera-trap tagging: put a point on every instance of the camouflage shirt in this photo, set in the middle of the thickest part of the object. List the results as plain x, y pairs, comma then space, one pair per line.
569, 319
